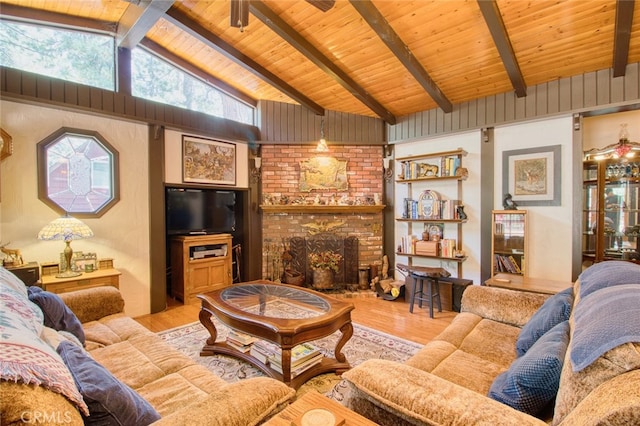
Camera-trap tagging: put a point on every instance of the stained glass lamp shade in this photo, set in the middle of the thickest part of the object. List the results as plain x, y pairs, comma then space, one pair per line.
66, 228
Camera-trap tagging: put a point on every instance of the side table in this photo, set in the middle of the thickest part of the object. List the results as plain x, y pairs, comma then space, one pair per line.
534, 285
313, 399
100, 277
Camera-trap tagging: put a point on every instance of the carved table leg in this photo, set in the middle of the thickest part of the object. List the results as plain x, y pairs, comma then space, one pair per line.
347, 332
205, 319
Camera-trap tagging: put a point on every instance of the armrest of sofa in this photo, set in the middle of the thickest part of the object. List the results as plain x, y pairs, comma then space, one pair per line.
507, 306
247, 402
91, 304
420, 397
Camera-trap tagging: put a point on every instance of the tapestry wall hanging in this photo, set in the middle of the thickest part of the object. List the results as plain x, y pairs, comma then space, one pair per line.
323, 173
208, 161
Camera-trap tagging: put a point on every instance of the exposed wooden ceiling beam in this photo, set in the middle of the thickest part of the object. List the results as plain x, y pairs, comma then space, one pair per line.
28, 14
284, 30
176, 17
493, 18
622, 36
203, 75
138, 19
323, 5
380, 25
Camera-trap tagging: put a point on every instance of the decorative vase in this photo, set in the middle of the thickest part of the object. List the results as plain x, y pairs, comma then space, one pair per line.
322, 279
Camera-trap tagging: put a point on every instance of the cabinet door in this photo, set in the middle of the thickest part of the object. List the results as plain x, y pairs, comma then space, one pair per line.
208, 276
509, 242
611, 210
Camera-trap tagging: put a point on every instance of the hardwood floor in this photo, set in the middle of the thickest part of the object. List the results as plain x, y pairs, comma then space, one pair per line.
391, 317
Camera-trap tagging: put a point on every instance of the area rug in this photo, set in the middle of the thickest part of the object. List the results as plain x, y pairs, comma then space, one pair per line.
365, 343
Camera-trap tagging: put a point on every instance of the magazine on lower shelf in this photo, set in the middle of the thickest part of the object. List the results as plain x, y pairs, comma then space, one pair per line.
300, 368
271, 353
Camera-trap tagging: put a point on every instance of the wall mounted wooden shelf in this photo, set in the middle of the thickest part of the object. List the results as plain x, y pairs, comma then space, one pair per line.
311, 209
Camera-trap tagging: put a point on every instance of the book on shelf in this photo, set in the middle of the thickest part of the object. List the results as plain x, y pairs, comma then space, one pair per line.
238, 347
240, 338
299, 354
302, 367
270, 353
240, 341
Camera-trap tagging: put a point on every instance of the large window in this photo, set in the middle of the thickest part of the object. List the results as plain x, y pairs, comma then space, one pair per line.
81, 57
89, 58
157, 80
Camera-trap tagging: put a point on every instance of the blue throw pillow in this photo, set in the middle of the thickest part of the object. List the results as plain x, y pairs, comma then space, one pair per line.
532, 381
554, 310
110, 401
607, 274
57, 315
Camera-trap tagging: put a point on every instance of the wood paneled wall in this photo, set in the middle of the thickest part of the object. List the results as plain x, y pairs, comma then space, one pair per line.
287, 123
28, 87
580, 93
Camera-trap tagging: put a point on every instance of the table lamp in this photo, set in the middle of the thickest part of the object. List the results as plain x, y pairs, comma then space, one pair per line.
66, 228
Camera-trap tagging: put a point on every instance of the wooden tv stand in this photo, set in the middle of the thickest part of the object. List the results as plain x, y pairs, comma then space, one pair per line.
200, 264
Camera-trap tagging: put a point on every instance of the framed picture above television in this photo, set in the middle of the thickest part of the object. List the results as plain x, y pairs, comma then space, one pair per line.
208, 161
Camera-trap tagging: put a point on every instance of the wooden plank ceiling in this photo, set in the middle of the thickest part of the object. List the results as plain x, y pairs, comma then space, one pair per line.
379, 58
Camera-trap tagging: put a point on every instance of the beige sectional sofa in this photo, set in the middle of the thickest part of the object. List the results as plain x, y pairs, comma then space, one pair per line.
448, 382
178, 390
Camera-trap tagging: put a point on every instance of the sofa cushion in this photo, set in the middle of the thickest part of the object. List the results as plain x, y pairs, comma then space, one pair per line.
56, 314
110, 401
553, 311
532, 380
607, 274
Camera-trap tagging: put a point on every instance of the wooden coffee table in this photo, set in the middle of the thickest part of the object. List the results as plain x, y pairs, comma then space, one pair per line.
312, 400
283, 314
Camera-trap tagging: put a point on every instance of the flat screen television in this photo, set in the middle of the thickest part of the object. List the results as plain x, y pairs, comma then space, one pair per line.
200, 211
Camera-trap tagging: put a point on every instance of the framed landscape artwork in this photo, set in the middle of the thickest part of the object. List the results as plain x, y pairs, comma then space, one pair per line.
208, 161
532, 176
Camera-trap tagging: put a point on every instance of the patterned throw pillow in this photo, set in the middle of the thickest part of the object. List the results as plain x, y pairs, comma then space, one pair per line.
532, 381
553, 311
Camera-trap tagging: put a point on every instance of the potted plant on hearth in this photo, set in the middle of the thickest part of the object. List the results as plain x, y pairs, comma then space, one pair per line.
324, 264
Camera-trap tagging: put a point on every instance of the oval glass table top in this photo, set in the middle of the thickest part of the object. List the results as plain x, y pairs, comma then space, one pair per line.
275, 301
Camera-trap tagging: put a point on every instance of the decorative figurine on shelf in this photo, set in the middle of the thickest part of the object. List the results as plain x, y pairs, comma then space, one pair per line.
13, 256
508, 203
460, 213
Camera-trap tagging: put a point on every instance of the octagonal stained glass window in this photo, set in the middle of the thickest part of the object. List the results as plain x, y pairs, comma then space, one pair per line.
77, 172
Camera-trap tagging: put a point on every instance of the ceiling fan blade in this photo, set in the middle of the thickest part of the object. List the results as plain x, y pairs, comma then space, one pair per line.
323, 5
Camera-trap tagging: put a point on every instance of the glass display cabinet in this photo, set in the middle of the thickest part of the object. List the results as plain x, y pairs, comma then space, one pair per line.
508, 242
611, 210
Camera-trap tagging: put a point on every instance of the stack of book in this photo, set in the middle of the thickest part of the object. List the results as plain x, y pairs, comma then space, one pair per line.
263, 351
303, 356
240, 341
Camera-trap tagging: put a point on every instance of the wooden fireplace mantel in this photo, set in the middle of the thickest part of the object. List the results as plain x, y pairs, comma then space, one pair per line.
317, 209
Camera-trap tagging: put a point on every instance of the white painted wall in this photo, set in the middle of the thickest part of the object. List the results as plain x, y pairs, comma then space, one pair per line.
122, 233
549, 227
470, 142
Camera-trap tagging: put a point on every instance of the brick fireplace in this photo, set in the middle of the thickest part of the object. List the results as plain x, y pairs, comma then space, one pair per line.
291, 215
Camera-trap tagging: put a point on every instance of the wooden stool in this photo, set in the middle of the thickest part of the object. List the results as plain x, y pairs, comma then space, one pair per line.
419, 293
419, 274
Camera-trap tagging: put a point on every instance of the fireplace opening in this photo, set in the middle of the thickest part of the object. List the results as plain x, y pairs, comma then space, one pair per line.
296, 259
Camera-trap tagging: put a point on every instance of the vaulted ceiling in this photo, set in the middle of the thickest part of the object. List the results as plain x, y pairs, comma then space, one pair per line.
370, 57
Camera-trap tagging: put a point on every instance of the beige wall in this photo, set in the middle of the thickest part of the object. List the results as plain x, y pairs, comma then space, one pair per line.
602, 130
122, 233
